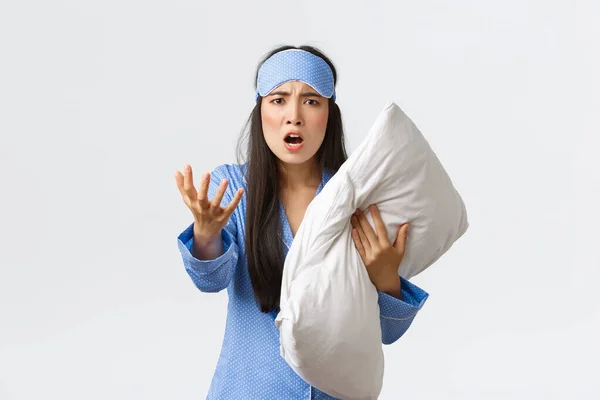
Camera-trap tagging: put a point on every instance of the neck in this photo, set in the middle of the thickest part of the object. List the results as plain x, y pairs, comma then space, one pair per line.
299, 176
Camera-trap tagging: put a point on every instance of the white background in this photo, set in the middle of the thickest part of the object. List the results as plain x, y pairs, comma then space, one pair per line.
101, 102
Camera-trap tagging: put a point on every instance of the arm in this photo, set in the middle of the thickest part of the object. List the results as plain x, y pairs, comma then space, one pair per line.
212, 275
397, 315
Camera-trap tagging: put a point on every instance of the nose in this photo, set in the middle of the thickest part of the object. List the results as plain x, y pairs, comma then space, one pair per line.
294, 114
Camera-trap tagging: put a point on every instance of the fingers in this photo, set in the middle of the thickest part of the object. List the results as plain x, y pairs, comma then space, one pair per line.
188, 183
379, 225
361, 235
203, 191
216, 201
400, 243
219, 197
179, 181
185, 184
234, 203
359, 245
367, 229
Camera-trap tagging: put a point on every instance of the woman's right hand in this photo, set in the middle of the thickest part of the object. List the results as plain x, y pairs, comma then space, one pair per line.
209, 217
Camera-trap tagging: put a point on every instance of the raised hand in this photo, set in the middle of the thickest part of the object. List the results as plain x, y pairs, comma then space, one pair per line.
209, 217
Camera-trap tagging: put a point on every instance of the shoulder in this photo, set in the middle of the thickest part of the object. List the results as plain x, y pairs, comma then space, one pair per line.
234, 173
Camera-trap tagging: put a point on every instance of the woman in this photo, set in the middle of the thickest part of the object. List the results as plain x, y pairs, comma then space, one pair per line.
246, 215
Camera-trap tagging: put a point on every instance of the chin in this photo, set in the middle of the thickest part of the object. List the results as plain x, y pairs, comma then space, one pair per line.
295, 158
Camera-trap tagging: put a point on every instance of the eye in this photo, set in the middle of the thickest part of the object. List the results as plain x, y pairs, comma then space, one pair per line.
276, 100
314, 102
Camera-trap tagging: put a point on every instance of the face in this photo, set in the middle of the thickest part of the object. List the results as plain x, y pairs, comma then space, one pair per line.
294, 107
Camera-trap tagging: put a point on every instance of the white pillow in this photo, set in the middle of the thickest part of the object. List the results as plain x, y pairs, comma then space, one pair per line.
329, 325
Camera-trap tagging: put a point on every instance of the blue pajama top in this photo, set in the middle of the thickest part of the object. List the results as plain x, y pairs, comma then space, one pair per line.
250, 366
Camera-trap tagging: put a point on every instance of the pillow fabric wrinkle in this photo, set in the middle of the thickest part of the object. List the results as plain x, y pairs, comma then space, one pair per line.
329, 319
334, 213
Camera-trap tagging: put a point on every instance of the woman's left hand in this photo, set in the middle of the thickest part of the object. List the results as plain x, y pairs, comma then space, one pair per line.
381, 258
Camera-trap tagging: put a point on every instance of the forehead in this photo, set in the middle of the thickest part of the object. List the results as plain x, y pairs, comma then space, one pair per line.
295, 86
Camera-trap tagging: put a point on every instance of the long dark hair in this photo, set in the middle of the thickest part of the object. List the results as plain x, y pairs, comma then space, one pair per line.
264, 239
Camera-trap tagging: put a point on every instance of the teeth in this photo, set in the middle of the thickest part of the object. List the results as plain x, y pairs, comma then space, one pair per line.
295, 137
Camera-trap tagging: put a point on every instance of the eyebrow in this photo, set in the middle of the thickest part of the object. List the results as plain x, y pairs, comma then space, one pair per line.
284, 93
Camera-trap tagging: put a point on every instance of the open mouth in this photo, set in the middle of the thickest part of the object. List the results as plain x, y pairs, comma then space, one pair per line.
293, 140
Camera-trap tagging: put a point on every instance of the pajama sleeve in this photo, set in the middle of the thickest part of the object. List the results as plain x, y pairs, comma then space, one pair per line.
212, 275
397, 315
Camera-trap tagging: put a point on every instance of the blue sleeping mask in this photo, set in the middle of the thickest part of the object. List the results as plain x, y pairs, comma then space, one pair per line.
292, 65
